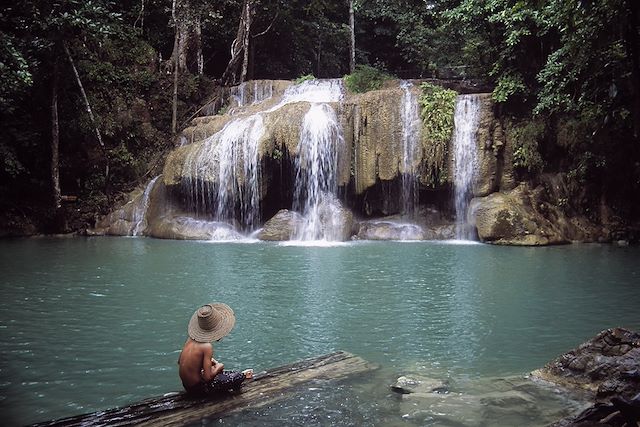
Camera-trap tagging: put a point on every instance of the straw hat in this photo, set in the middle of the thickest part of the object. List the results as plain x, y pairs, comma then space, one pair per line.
211, 322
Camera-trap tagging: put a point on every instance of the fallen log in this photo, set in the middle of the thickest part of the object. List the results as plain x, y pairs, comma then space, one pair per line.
177, 409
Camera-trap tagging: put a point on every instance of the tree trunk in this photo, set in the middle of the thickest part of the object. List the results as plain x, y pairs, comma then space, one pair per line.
55, 138
247, 37
352, 46
240, 46
198, 41
140, 16
91, 117
174, 58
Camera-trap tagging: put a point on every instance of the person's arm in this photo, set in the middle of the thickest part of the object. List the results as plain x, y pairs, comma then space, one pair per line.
207, 354
210, 366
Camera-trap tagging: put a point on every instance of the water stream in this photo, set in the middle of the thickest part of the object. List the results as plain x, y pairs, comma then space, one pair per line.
411, 133
231, 156
230, 159
316, 174
466, 118
140, 212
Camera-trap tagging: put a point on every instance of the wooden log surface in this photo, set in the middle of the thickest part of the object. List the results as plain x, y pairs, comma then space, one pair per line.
177, 409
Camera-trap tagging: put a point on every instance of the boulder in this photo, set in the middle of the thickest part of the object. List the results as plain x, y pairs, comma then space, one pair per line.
187, 228
388, 230
440, 232
608, 368
336, 221
512, 219
281, 226
607, 365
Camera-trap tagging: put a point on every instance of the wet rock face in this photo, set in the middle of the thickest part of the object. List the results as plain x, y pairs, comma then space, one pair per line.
281, 226
187, 228
388, 230
512, 219
608, 367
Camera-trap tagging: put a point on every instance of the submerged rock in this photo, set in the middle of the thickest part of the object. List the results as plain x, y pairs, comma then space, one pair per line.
415, 384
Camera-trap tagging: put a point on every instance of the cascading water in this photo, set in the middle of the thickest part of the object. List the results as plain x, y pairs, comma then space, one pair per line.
238, 94
231, 156
466, 118
317, 91
140, 212
262, 91
316, 174
410, 144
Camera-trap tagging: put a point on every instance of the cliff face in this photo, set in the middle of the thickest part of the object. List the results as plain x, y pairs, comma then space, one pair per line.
244, 164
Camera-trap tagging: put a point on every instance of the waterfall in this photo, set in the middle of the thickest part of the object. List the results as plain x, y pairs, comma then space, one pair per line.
410, 144
224, 174
238, 94
229, 158
262, 91
466, 118
140, 211
330, 90
316, 173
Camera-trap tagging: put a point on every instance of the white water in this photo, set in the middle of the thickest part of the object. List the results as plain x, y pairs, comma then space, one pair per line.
238, 93
410, 145
262, 91
229, 158
466, 118
329, 90
316, 174
140, 212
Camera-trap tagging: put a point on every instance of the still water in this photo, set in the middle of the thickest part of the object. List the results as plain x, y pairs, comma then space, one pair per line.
89, 324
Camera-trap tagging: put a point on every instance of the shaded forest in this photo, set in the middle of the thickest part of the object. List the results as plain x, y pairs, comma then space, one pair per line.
92, 93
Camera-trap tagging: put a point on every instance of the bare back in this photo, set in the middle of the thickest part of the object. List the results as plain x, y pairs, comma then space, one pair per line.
195, 362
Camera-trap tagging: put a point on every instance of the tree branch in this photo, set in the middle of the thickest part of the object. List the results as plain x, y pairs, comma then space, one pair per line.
269, 27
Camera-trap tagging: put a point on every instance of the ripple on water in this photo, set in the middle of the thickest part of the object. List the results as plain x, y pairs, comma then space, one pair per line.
466, 313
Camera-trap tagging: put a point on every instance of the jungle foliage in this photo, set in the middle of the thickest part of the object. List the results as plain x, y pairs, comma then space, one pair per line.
437, 106
572, 66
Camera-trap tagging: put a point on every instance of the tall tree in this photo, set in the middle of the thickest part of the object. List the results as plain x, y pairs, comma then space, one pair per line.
236, 71
352, 38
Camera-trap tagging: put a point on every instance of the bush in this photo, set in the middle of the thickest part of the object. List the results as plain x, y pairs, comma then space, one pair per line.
526, 138
365, 78
304, 78
437, 106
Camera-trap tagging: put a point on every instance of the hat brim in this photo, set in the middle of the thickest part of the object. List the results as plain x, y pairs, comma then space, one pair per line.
224, 326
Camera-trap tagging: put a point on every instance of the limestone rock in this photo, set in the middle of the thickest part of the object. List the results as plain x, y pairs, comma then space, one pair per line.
281, 226
120, 222
336, 221
488, 148
187, 228
510, 218
377, 136
388, 230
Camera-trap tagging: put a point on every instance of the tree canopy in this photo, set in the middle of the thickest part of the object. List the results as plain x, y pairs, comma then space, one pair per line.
573, 65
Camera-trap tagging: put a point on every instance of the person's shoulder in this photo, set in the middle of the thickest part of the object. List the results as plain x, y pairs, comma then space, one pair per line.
204, 345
